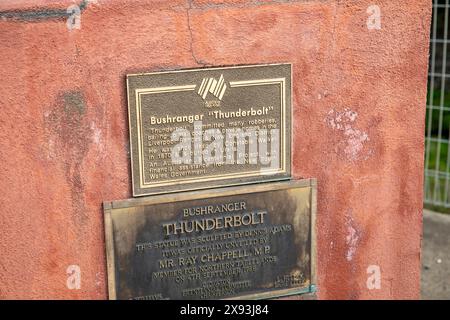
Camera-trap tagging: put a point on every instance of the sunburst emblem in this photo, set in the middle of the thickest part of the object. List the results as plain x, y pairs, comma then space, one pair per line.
213, 86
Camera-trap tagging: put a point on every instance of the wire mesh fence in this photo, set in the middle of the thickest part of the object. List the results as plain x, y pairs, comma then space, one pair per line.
437, 135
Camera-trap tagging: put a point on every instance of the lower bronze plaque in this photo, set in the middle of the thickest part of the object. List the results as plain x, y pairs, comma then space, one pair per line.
240, 242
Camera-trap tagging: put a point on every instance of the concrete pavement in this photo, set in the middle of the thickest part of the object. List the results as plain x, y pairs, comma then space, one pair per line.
435, 282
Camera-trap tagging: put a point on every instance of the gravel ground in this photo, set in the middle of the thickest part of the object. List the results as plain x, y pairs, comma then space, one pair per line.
436, 256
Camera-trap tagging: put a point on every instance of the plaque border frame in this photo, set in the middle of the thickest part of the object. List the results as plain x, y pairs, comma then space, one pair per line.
207, 194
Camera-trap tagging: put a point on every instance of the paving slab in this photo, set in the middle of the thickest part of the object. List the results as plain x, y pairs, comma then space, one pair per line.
435, 282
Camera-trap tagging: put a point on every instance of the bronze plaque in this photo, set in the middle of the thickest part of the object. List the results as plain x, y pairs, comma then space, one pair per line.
248, 242
198, 116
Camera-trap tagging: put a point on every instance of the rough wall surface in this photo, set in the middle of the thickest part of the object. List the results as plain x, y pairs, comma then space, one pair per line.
359, 106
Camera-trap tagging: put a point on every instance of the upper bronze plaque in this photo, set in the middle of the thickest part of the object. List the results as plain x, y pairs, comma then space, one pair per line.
203, 128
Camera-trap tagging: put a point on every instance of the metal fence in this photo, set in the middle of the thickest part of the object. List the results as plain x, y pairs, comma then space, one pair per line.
437, 134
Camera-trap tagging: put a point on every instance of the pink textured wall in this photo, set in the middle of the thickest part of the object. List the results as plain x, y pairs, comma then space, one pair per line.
359, 106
